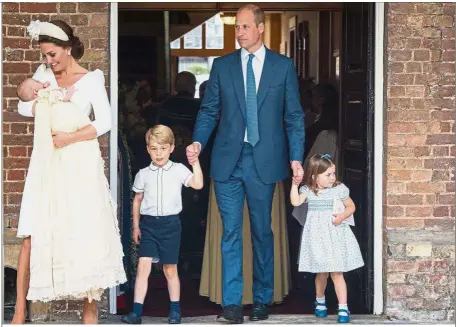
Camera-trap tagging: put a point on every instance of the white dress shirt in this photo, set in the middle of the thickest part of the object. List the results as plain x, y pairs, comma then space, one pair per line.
257, 65
162, 188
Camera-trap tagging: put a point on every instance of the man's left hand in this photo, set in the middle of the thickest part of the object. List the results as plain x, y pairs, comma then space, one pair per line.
298, 172
61, 139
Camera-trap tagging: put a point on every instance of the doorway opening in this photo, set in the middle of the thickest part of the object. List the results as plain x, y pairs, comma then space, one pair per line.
327, 49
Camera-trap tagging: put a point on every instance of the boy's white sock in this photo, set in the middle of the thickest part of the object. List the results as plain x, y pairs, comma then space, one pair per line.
345, 307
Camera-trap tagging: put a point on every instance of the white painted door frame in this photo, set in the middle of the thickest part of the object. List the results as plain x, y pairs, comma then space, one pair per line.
114, 89
378, 143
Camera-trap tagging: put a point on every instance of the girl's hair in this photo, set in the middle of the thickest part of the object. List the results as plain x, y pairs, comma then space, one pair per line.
317, 164
77, 47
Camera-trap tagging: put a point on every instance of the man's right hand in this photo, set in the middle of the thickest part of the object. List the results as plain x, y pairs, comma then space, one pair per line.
193, 151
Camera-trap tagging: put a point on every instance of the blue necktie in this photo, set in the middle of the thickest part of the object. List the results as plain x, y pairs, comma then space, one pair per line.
251, 105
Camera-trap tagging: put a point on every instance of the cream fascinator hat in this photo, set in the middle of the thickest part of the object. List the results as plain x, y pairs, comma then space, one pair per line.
37, 28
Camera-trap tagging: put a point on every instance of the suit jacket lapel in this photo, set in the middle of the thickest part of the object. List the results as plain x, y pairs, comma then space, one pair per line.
267, 76
238, 80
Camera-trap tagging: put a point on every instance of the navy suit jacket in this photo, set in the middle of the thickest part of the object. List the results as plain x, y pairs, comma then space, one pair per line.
280, 117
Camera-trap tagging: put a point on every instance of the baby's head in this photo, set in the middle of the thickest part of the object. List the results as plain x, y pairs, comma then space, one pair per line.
160, 144
28, 89
320, 172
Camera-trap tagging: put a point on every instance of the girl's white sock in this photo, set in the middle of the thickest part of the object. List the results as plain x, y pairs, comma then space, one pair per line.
345, 307
321, 303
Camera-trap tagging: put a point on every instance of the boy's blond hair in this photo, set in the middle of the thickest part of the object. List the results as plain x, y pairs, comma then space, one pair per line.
161, 134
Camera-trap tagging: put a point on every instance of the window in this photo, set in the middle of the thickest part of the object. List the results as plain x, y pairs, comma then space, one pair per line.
199, 66
194, 39
176, 44
213, 30
214, 33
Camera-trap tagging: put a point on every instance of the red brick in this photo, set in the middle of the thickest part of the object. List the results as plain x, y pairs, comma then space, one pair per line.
394, 211
441, 211
16, 31
14, 198
425, 266
13, 187
396, 67
16, 79
424, 187
17, 139
19, 128
38, 7
441, 265
418, 211
438, 163
17, 151
16, 19
405, 199
445, 199
401, 291
10, 7
448, 44
440, 139
16, 43
79, 20
400, 55
67, 7
99, 20
15, 175
84, 7
413, 67
440, 175
9, 91
33, 55
406, 224
404, 8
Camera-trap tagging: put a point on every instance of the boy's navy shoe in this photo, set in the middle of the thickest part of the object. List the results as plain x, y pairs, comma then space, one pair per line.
232, 314
131, 319
174, 317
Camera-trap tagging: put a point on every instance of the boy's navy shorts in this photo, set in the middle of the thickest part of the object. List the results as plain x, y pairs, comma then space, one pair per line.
160, 238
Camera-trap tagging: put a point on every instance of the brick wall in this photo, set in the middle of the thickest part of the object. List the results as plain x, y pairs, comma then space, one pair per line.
420, 182
21, 56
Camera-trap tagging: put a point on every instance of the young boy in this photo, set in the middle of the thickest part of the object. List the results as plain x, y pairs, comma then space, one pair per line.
158, 200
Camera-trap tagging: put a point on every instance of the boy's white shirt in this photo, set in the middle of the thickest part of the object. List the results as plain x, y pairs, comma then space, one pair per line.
166, 196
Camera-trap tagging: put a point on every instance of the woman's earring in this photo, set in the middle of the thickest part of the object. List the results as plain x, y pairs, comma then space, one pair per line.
69, 53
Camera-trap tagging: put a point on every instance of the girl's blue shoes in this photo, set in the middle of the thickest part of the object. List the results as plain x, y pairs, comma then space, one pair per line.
320, 310
343, 317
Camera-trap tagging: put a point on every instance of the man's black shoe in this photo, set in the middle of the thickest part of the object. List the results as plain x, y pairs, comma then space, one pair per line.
232, 314
259, 312
132, 319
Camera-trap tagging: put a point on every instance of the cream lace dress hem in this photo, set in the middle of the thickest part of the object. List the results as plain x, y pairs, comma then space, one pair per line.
76, 249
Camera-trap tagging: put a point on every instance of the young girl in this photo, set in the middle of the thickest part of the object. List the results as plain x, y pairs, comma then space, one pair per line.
328, 246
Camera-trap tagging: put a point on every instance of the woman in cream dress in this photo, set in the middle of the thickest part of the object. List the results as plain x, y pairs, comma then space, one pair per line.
66, 207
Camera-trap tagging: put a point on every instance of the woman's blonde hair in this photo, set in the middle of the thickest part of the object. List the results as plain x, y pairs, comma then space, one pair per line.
161, 134
317, 164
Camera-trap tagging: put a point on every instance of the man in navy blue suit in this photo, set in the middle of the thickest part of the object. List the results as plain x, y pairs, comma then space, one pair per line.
253, 92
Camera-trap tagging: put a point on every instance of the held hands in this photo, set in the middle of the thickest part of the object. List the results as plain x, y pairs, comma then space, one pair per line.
136, 234
192, 152
298, 172
61, 139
